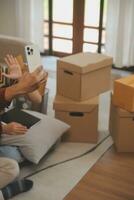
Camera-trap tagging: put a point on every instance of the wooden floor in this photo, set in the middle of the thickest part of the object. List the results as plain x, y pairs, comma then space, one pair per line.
111, 178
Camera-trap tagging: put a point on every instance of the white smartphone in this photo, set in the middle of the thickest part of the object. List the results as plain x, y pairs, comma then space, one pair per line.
33, 56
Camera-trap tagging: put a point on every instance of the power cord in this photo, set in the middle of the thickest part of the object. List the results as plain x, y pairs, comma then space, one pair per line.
76, 157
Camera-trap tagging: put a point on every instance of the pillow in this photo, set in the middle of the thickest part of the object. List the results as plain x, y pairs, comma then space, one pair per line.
39, 138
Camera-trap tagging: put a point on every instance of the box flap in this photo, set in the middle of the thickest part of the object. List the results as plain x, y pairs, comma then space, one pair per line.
122, 112
64, 104
84, 62
129, 80
125, 113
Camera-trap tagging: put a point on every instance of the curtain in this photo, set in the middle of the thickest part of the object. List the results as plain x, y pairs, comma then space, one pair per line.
120, 32
29, 21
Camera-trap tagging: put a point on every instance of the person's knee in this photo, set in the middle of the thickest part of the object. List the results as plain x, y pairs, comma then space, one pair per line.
12, 168
12, 152
9, 170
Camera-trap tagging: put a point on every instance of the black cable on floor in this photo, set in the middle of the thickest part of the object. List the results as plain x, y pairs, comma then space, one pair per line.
76, 157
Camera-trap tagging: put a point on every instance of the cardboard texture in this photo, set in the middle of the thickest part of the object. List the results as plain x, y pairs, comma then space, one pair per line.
122, 129
123, 93
81, 116
83, 75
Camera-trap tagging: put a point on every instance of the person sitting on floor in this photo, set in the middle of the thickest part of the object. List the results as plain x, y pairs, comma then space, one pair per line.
15, 73
9, 169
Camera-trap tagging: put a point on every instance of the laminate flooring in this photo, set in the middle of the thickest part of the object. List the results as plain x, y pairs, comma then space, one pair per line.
111, 178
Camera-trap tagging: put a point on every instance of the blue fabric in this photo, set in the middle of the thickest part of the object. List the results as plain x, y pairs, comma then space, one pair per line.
11, 152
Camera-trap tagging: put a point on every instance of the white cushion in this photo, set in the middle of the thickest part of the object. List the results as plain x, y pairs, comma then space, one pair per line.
39, 138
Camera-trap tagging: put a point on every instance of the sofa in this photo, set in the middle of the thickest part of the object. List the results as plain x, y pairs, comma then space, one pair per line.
12, 45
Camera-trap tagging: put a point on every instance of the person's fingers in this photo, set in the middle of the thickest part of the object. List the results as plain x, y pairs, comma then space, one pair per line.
10, 59
43, 75
7, 75
43, 78
19, 125
38, 70
21, 128
38, 76
43, 81
24, 75
19, 132
7, 61
16, 61
46, 74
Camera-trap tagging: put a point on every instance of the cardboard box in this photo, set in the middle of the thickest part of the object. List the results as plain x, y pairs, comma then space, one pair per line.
122, 129
83, 75
123, 93
81, 116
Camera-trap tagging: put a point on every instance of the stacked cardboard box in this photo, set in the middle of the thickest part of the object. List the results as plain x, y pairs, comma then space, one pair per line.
80, 79
122, 114
82, 116
123, 96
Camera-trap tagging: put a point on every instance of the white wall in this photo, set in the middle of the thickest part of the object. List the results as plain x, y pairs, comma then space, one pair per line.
23, 22
8, 17
22, 18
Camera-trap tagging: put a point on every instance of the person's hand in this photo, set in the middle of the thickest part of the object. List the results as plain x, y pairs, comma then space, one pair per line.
14, 128
31, 81
13, 66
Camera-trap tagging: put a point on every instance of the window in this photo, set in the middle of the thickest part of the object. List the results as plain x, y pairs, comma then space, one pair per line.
74, 25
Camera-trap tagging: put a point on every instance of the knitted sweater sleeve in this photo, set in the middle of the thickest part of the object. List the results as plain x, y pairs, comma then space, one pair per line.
3, 103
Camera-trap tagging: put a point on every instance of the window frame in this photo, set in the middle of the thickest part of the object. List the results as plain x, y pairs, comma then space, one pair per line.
78, 28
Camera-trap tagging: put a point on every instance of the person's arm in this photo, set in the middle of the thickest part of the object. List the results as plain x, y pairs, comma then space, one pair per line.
0, 128
15, 73
6, 94
13, 128
36, 96
3, 102
29, 82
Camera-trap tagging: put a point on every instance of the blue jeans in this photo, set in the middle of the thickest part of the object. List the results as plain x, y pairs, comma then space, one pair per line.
11, 152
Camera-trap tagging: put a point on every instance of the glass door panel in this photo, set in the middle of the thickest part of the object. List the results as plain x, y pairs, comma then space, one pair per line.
72, 26
46, 43
62, 30
105, 14
63, 11
46, 24
46, 10
92, 11
46, 28
103, 36
65, 31
90, 35
90, 48
61, 45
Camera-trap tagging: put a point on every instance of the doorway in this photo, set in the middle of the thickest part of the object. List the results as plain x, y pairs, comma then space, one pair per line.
74, 26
